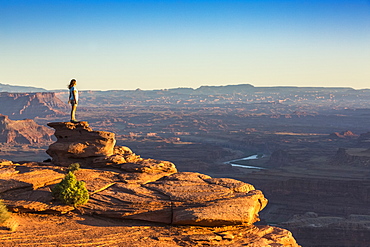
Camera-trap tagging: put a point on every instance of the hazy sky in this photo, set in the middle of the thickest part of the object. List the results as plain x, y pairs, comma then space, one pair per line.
166, 44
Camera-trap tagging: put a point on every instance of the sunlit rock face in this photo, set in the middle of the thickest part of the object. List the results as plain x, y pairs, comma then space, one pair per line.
77, 142
30, 105
185, 198
149, 189
123, 185
23, 132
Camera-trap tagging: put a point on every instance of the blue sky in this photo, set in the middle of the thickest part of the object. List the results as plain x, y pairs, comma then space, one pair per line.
167, 44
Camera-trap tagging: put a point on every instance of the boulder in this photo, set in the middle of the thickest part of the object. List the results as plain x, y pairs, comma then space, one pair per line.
235, 210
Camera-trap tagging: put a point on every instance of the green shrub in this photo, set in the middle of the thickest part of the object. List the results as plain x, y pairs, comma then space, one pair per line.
4, 213
71, 191
74, 167
6, 218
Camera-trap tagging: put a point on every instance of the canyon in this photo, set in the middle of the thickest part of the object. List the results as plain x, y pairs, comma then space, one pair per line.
314, 142
30, 105
122, 185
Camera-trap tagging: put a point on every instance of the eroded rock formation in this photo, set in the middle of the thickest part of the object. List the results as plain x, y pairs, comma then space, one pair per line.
180, 198
123, 185
352, 157
351, 231
23, 132
280, 158
31, 105
343, 134
79, 143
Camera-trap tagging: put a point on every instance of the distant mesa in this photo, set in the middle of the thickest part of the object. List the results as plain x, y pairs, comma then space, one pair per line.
23, 132
30, 105
343, 134
229, 89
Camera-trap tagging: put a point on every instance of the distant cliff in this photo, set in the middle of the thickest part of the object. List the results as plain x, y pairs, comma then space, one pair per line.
23, 132
31, 105
352, 157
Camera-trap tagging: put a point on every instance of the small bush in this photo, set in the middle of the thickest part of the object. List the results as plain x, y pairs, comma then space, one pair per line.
6, 218
71, 191
74, 167
4, 213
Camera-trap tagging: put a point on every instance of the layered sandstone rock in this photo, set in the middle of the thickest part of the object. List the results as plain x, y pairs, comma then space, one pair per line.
123, 185
79, 143
31, 105
138, 188
180, 198
23, 132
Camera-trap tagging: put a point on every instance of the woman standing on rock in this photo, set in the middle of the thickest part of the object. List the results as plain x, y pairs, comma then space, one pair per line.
73, 99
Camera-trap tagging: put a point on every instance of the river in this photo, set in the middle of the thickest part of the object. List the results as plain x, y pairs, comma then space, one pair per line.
252, 157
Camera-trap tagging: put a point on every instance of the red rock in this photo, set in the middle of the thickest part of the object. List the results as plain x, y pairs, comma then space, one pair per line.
240, 209
23, 132
77, 142
31, 105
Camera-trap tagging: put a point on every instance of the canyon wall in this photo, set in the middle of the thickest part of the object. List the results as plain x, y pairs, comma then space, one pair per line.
23, 132
30, 105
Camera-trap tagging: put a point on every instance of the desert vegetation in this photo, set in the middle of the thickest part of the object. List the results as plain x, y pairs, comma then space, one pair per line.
6, 218
71, 191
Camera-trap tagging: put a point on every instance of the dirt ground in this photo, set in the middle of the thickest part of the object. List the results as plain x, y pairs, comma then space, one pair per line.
77, 230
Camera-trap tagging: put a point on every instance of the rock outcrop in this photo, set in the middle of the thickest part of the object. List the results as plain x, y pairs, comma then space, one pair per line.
23, 132
280, 158
364, 139
180, 198
339, 231
343, 134
123, 185
352, 157
30, 105
79, 143
137, 188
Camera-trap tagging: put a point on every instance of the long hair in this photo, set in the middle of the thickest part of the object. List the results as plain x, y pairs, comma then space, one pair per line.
72, 83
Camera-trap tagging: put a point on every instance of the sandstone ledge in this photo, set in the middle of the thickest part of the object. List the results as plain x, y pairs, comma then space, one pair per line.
123, 185
180, 198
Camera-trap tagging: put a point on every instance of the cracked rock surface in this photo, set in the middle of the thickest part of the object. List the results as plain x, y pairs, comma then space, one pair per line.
122, 185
